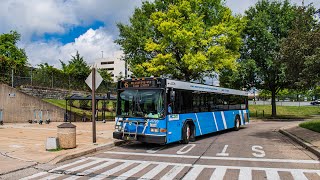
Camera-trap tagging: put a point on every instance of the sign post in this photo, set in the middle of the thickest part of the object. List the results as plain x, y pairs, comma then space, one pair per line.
93, 81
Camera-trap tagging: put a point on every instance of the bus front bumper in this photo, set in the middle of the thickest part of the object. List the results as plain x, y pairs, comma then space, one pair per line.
141, 138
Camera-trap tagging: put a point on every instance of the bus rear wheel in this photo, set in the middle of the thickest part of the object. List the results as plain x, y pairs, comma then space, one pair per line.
186, 133
237, 124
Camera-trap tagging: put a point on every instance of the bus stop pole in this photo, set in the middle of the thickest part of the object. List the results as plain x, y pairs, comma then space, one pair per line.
93, 105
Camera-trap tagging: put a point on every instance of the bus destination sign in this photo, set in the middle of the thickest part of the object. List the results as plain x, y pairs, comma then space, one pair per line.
139, 84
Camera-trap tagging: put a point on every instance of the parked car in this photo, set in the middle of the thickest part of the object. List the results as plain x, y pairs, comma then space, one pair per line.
316, 102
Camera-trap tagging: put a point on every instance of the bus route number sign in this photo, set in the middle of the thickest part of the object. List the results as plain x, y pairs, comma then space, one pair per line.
139, 84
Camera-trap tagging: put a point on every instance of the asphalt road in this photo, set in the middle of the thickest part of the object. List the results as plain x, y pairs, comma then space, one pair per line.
256, 151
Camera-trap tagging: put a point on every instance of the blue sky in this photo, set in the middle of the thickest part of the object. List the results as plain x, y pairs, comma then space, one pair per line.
53, 30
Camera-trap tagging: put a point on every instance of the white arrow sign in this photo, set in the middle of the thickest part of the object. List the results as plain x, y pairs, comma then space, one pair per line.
99, 79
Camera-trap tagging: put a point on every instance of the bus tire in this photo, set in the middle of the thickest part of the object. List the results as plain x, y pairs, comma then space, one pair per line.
186, 132
237, 123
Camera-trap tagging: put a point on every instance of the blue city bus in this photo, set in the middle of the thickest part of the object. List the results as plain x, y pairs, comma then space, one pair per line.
163, 111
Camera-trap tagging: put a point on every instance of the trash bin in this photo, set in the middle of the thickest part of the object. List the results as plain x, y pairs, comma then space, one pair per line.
67, 135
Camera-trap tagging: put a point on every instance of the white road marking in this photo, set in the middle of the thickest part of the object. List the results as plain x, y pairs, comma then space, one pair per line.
298, 175
218, 174
69, 171
151, 174
193, 173
189, 146
52, 176
198, 123
223, 153
156, 149
67, 165
34, 176
73, 177
219, 158
245, 174
224, 120
96, 168
272, 175
259, 151
112, 171
132, 171
215, 121
172, 173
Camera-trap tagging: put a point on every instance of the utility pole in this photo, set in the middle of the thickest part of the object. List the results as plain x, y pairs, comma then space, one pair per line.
94, 139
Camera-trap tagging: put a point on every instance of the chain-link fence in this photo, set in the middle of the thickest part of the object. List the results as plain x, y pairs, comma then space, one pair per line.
54, 81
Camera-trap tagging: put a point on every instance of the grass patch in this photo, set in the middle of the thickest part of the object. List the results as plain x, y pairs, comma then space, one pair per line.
284, 112
313, 125
76, 108
55, 150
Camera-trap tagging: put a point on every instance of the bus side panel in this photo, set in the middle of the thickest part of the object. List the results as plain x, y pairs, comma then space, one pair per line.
220, 122
230, 118
174, 128
206, 122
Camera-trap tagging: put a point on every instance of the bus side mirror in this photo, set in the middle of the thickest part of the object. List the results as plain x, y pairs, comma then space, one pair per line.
172, 95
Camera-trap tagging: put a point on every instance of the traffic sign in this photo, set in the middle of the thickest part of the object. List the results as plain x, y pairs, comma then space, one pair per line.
98, 78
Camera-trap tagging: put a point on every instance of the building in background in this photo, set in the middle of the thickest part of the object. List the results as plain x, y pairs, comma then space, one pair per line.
115, 66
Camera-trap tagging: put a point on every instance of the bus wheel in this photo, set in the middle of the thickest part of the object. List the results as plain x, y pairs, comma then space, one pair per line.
186, 132
237, 124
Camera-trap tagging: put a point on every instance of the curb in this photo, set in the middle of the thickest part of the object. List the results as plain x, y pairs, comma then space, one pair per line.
301, 142
84, 152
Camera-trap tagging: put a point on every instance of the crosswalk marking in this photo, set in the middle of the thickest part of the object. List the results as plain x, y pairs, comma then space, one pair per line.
35, 175
96, 168
174, 169
67, 165
132, 171
112, 171
194, 173
218, 174
52, 176
245, 174
272, 174
298, 175
172, 173
69, 171
151, 174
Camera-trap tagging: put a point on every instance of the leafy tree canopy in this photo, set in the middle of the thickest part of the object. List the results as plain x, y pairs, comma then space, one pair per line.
182, 39
10, 55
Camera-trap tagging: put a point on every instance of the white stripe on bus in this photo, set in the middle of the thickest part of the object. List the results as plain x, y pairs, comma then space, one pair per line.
198, 124
224, 120
241, 118
215, 120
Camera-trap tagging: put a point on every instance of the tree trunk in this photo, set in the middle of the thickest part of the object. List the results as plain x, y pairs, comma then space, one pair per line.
273, 103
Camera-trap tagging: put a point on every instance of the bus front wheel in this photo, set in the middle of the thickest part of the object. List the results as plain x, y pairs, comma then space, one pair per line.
186, 133
237, 124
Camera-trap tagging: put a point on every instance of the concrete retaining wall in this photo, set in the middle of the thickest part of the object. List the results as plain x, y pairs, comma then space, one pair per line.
20, 107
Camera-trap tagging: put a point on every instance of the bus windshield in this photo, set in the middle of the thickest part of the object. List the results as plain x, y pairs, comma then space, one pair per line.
141, 103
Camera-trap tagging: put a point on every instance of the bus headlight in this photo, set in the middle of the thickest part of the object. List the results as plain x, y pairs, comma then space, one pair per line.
154, 130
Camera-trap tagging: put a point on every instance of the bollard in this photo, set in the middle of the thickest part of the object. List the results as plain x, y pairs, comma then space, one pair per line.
67, 135
1, 120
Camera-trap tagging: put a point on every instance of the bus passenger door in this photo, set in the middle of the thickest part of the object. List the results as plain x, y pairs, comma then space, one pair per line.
173, 128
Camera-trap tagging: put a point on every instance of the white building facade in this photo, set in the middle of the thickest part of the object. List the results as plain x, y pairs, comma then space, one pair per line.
115, 66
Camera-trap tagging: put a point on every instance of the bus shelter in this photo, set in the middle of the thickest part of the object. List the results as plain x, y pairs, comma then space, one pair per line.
84, 103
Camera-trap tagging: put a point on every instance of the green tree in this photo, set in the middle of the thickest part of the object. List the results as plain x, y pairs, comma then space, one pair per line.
300, 51
268, 23
11, 57
46, 75
182, 39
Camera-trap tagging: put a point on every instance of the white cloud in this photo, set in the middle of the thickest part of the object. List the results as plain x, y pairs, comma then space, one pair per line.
89, 45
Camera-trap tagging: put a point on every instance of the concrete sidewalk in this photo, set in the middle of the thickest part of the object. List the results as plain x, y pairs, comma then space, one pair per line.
305, 137
23, 145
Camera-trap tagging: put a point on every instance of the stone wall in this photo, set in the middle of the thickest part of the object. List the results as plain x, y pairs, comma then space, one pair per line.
21, 107
47, 93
